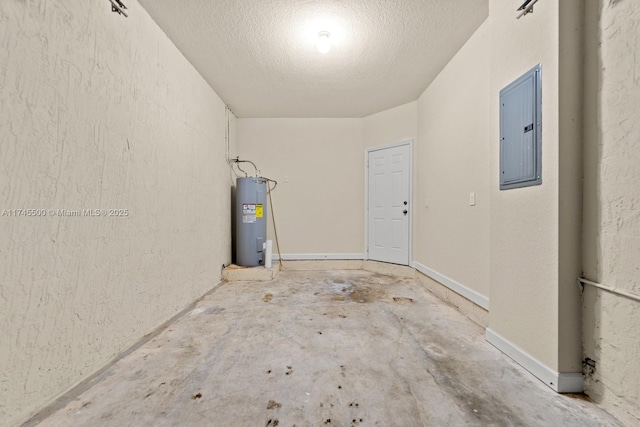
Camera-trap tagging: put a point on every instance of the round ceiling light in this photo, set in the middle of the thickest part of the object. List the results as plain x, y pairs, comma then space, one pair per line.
324, 43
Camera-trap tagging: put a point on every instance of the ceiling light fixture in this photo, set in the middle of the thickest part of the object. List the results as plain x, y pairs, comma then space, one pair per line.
324, 43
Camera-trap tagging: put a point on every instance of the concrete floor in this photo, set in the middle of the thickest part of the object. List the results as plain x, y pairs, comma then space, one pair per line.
311, 348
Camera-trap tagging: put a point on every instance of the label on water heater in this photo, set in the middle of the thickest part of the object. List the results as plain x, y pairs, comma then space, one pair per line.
258, 211
249, 213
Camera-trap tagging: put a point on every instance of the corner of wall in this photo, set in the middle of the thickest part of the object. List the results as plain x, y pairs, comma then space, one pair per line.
558, 381
570, 153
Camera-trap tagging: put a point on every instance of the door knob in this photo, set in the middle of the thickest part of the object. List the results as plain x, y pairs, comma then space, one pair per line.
404, 211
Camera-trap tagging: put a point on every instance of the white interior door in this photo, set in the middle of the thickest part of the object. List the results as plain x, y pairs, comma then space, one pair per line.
388, 210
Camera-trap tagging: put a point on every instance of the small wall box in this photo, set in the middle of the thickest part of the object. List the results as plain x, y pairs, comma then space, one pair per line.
521, 131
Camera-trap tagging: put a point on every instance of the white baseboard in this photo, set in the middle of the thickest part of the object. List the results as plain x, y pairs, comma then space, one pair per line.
559, 382
307, 257
469, 294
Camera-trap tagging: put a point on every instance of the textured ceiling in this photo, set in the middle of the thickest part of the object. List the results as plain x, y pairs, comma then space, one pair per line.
260, 55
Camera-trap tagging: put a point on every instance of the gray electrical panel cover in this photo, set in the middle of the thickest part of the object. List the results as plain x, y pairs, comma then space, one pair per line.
521, 131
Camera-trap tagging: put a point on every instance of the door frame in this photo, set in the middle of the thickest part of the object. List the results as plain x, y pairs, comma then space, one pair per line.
367, 151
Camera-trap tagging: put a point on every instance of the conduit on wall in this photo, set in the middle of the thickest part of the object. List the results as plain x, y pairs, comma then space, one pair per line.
227, 131
118, 6
527, 7
610, 289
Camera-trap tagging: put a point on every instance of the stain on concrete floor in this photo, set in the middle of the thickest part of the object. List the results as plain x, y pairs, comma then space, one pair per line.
343, 348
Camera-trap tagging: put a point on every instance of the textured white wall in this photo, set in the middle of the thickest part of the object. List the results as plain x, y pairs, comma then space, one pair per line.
519, 247
452, 237
611, 237
99, 111
391, 126
321, 208
524, 222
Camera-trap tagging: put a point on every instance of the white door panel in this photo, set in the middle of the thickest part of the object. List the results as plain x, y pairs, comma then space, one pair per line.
389, 174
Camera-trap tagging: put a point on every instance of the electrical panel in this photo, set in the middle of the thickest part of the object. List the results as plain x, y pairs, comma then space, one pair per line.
521, 131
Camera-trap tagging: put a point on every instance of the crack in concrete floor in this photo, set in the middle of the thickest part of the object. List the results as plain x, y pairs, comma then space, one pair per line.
342, 348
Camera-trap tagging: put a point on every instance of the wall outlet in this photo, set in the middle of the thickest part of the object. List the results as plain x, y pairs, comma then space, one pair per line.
472, 199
